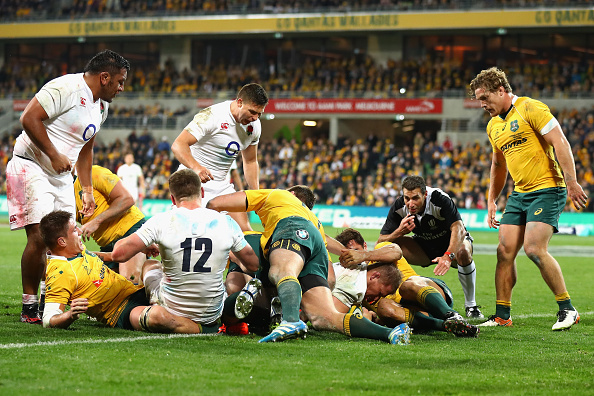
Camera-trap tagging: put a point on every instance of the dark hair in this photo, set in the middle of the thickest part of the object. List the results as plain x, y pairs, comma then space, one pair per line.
185, 184
107, 61
350, 234
53, 226
304, 194
254, 94
490, 80
412, 182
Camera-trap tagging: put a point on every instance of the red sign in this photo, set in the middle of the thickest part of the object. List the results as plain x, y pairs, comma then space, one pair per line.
472, 104
358, 106
19, 104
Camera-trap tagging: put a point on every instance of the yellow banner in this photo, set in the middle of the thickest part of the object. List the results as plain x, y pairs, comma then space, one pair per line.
301, 23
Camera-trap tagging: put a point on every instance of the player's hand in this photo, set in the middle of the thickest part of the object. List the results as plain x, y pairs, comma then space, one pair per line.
577, 195
204, 174
78, 306
407, 225
443, 265
88, 204
88, 229
350, 258
492, 222
61, 163
152, 250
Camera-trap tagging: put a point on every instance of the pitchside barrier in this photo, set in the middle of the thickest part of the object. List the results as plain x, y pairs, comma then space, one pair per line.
366, 217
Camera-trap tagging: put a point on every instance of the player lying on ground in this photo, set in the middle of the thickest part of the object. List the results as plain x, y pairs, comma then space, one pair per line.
80, 279
424, 303
297, 264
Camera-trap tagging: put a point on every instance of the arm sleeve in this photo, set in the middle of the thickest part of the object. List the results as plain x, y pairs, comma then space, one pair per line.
239, 241
55, 101
104, 180
149, 232
448, 210
201, 125
539, 116
60, 282
392, 221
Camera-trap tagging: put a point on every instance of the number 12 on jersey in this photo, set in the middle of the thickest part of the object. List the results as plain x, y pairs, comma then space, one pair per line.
203, 245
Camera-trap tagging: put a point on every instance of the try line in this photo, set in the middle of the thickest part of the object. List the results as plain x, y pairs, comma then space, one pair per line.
172, 336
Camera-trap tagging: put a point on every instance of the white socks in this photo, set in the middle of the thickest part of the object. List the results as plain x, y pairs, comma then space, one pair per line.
467, 276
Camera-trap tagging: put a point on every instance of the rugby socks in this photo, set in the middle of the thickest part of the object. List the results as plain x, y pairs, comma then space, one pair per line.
564, 301
433, 301
289, 293
29, 299
229, 305
503, 309
467, 277
423, 322
355, 325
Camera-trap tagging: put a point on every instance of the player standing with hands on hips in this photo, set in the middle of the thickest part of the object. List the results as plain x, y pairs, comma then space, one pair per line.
59, 128
213, 139
528, 141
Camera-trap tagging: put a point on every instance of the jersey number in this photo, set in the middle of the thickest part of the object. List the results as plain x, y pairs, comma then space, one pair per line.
201, 244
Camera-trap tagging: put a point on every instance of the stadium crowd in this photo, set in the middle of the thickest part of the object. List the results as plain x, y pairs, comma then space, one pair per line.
62, 9
350, 76
362, 172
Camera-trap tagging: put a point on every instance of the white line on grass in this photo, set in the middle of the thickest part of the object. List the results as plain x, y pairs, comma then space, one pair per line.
102, 341
546, 315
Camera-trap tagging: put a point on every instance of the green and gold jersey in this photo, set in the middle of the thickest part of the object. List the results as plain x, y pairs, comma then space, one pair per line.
530, 159
104, 182
85, 276
274, 205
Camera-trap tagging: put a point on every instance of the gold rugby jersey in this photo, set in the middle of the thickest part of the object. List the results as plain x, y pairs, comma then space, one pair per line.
104, 182
530, 159
274, 205
86, 276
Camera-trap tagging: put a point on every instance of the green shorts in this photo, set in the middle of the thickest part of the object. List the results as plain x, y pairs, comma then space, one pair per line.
544, 206
112, 265
449, 297
254, 241
309, 240
137, 299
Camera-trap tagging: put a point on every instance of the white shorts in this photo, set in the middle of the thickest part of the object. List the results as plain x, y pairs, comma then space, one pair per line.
32, 193
350, 286
215, 188
154, 288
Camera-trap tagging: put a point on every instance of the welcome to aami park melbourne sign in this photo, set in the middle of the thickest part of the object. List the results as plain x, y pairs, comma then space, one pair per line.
261, 23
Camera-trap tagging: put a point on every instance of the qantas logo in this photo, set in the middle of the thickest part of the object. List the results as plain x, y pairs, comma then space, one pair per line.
515, 143
83, 102
98, 282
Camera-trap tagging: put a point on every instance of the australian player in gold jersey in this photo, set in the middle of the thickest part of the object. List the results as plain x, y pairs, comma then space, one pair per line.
528, 141
80, 279
294, 244
115, 217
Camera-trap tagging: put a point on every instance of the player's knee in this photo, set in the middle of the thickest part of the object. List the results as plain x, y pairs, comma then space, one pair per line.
160, 320
319, 322
534, 253
150, 265
463, 257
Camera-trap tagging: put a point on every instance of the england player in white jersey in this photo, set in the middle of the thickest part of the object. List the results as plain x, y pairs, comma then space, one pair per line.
59, 127
213, 139
132, 179
194, 243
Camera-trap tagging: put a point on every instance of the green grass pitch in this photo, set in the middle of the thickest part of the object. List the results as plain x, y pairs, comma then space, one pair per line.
526, 359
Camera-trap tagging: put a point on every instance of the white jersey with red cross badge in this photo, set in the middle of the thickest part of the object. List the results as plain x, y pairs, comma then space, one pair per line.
73, 119
194, 246
220, 138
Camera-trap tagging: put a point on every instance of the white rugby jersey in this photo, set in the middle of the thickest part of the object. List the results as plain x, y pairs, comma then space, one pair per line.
130, 175
350, 286
220, 138
73, 119
194, 247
